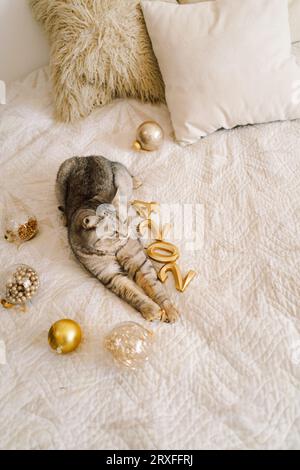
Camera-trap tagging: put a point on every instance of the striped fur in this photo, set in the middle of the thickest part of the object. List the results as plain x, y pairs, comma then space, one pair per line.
118, 262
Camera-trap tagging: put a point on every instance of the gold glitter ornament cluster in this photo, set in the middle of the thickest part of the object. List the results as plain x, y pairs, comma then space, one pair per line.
20, 286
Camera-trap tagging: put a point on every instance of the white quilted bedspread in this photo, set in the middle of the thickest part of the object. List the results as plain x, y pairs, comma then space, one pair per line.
227, 375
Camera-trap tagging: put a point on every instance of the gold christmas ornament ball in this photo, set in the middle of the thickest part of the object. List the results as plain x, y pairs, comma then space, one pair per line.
149, 136
64, 336
130, 344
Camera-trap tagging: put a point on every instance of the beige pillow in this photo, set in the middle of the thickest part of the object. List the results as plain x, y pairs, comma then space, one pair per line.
294, 15
224, 63
294, 9
100, 50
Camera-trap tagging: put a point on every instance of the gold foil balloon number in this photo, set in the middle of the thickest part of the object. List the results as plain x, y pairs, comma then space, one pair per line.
130, 344
159, 233
165, 252
19, 285
180, 282
144, 209
149, 136
162, 251
64, 336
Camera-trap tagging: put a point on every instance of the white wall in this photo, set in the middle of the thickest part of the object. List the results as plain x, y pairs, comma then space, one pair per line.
23, 45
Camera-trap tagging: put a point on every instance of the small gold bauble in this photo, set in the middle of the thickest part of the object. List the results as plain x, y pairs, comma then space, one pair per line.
64, 336
149, 136
130, 344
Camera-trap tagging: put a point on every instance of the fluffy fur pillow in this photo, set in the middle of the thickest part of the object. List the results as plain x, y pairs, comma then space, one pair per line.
100, 50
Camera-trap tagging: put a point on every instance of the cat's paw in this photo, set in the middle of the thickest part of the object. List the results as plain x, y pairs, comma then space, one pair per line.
169, 313
151, 312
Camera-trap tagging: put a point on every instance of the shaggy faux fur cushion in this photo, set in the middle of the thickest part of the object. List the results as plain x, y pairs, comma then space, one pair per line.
100, 50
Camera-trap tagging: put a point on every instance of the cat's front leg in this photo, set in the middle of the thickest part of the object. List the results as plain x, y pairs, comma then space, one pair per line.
110, 273
134, 260
147, 279
125, 288
169, 312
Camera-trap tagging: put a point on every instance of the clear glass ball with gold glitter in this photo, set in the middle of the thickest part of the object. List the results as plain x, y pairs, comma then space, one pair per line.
19, 224
130, 344
18, 284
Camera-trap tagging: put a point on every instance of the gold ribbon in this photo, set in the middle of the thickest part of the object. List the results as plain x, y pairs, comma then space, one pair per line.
6, 304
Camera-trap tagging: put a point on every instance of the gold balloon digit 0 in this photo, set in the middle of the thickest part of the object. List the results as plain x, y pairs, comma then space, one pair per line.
163, 252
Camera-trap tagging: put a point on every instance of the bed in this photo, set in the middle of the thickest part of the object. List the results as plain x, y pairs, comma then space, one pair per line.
227, 375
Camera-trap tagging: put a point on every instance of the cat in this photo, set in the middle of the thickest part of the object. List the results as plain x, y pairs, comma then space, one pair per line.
89, 191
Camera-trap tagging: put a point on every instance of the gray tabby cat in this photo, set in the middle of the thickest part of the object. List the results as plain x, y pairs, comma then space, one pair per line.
85, 187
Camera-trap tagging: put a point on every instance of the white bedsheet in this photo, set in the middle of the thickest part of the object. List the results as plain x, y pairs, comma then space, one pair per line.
227, 375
